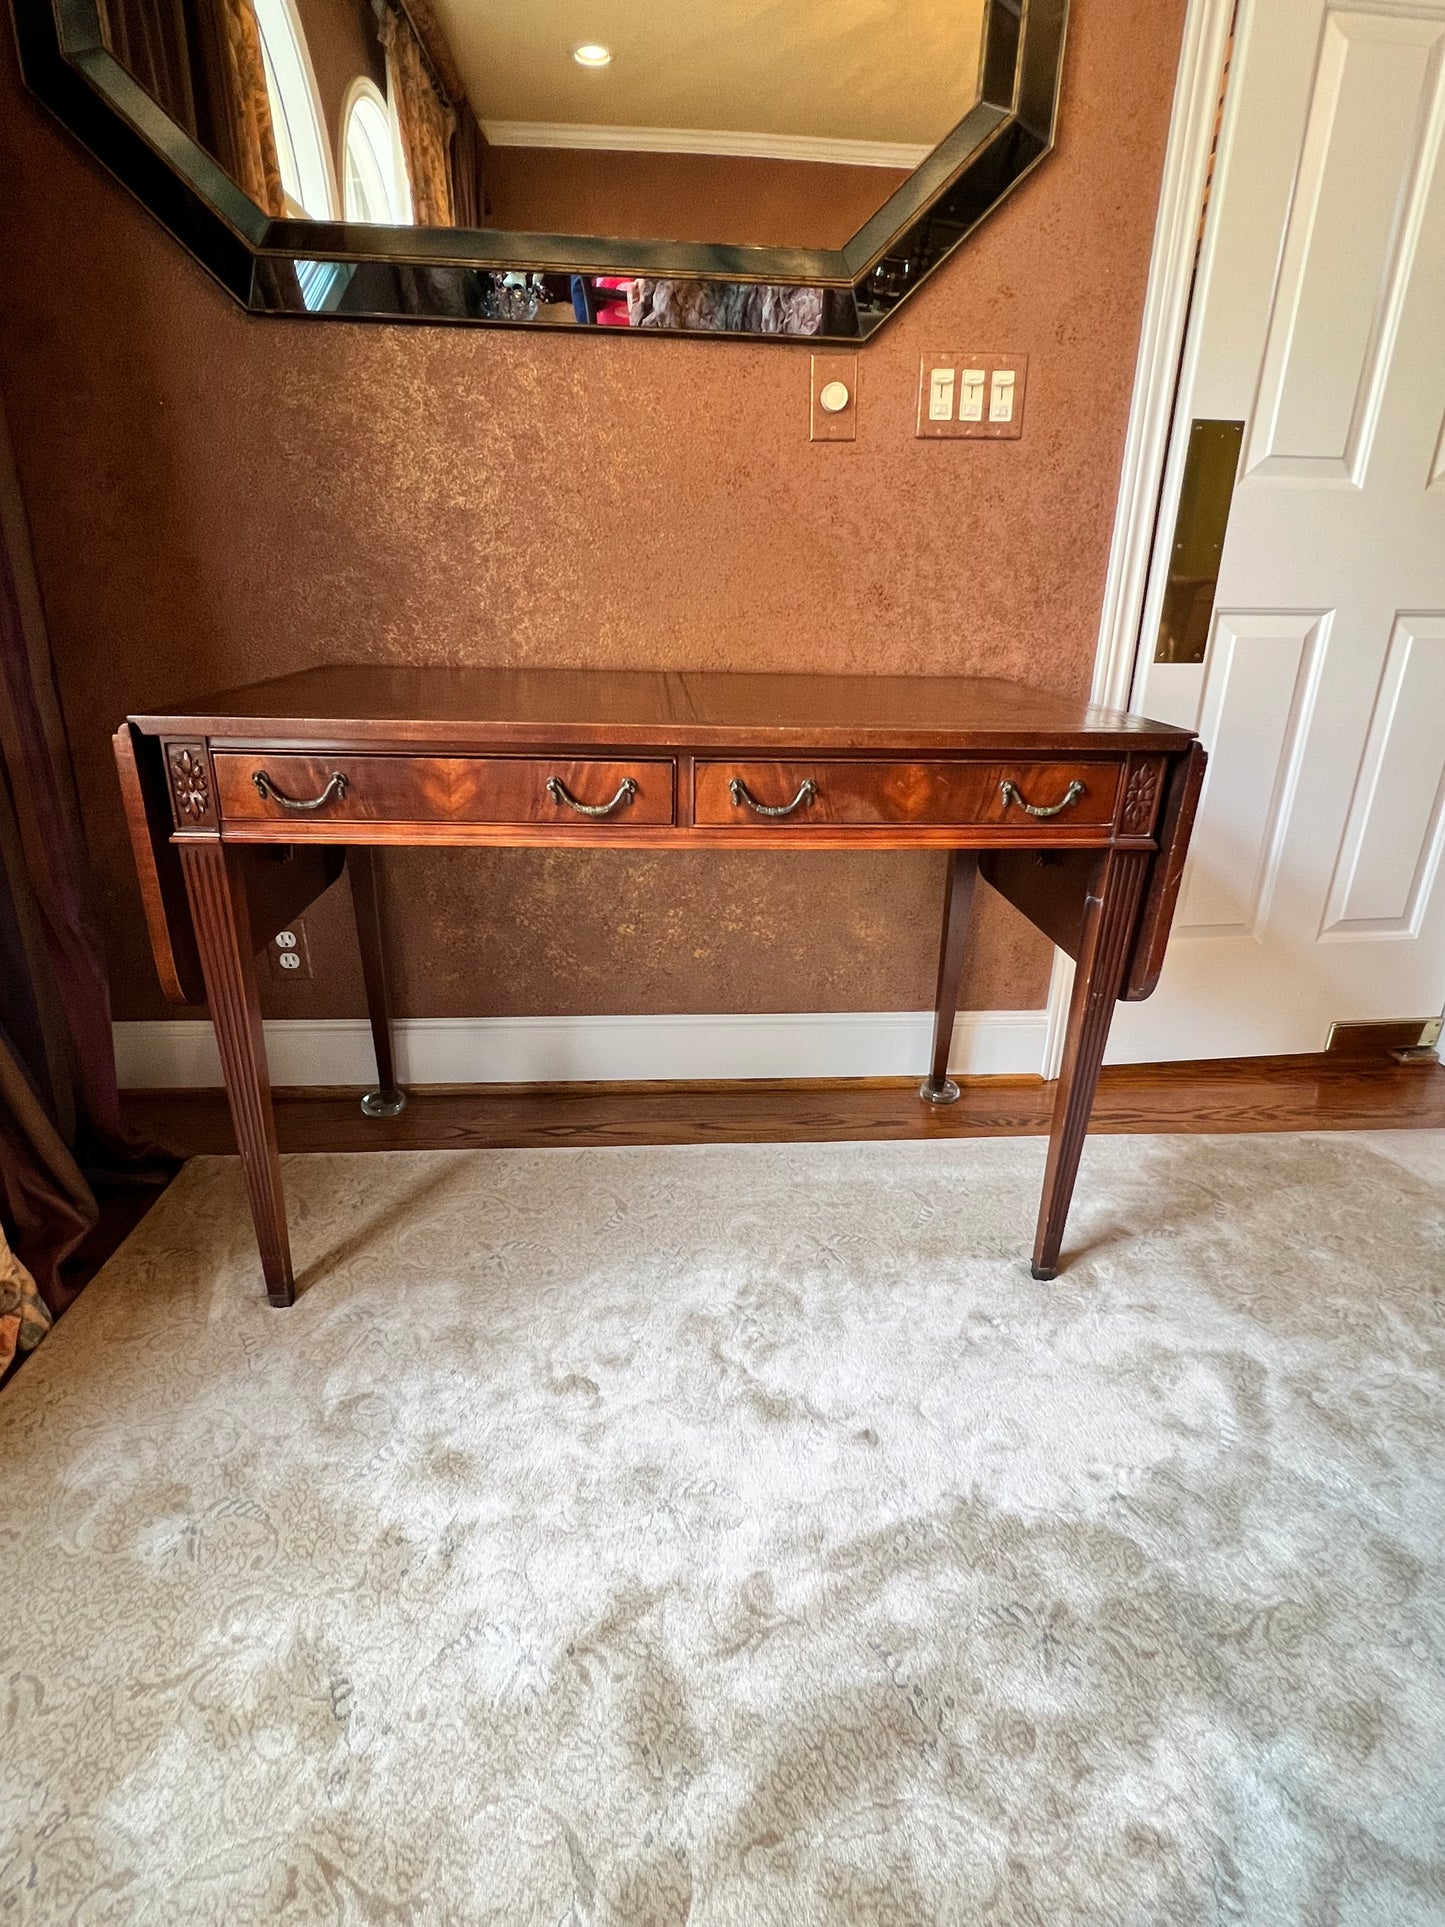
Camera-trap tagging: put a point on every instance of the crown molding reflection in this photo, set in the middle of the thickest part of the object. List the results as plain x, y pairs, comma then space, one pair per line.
705, 140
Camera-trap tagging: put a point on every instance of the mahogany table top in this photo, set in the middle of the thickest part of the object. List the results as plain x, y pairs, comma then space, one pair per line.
674, 707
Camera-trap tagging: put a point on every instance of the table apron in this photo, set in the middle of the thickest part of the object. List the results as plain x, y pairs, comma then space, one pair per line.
583, 836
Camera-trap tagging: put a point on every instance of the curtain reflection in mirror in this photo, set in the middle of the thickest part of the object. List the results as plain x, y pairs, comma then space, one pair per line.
238, 77
202, 61
425, 119
439, 132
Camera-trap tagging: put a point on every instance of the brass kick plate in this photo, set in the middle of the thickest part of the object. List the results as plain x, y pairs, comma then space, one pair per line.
1199, 530
1410, 1040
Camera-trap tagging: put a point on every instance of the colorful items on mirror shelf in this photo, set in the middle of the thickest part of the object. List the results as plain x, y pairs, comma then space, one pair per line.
710, 307
512, 297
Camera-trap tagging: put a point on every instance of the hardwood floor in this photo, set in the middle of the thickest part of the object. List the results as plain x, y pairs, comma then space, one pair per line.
1244, 1094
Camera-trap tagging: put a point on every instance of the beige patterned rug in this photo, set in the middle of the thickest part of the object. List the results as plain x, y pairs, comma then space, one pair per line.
740, 1537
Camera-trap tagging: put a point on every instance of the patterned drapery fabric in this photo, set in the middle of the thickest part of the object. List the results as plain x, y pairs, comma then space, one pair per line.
24, 1319
203, 64
426, 120
253, 136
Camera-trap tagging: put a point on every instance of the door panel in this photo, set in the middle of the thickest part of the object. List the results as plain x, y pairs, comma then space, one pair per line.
1390, 856
1256, 707
1347, 250
1314, 891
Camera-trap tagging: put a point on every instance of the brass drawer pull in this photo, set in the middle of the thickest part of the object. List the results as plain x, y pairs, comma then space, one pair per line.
738, 790
559, 793
269, 792
1010, 795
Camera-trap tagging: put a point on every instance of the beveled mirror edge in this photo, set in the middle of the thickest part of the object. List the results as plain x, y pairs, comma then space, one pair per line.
256, 257
217, 245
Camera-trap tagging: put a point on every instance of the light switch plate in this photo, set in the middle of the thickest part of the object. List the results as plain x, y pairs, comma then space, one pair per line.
957, 427
843, 425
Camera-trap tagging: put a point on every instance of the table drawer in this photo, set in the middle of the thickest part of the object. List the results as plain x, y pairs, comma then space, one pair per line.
1007, 795
287, 787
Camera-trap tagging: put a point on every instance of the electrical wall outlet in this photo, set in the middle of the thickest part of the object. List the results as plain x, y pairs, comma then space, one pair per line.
971, 396
290, 953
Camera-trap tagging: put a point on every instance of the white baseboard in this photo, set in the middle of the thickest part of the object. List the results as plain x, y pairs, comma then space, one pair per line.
181, 1054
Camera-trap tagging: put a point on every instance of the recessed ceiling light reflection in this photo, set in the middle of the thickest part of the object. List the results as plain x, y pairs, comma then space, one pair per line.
591, 53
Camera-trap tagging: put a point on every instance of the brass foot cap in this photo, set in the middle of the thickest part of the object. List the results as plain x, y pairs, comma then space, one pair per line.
944, 1093
384, 1103
1044, 1273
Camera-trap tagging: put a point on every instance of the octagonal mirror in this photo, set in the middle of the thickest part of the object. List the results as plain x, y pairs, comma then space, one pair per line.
769, 168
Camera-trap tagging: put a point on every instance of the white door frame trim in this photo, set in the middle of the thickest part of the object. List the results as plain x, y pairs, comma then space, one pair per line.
1156, 376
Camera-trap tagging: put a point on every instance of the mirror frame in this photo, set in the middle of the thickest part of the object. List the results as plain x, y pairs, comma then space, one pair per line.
255, 257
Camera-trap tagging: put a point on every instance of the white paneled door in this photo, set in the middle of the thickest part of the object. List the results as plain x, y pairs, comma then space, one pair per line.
1316, 890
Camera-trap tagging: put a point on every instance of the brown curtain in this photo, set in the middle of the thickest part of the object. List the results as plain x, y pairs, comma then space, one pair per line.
152, 43
426, 121
60, 1123
467, 171
469, 156
251, 159
201, 61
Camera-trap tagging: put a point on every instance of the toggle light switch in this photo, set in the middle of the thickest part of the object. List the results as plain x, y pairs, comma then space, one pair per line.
973, 396
940, 395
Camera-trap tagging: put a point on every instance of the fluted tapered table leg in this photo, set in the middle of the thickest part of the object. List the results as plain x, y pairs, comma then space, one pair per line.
216, 886
1110, 920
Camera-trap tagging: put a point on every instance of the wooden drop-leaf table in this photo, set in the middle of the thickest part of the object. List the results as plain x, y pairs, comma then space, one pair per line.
244, 807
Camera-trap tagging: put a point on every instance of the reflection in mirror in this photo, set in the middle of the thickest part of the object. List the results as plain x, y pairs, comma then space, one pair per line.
374, 183
762, 123
377, 288
763, 167
750, 123
316, 109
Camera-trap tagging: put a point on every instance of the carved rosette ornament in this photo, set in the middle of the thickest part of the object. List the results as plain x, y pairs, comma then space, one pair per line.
1141, 793
190, 783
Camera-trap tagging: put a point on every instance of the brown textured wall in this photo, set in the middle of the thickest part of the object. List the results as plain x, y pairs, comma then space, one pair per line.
684, 197
215, 498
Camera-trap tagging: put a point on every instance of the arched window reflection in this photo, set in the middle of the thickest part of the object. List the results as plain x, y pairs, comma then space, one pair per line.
374, 186
300, 129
